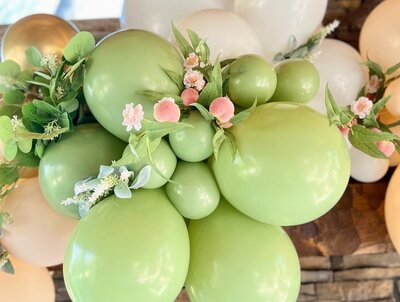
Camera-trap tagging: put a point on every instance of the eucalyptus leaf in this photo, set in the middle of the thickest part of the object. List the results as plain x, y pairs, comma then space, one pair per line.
14, 97
34, 56
39, 148
10, 150
25, 144
122, 191
10, 68
46, 107
70, 106
80, 46
6, 129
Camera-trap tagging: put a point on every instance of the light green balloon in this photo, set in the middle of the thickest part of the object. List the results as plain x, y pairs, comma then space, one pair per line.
77, 155
291, 168
121, 68
165, 161
298, 81
193, 192
193, 144
127, 250
235, 258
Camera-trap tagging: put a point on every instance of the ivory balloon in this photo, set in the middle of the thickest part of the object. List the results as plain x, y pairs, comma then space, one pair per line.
392, 209
380, 36
387, 118
28, 284
365, 168
339, 67
275, 21
38, 234
227, 34
393, 106
157, 15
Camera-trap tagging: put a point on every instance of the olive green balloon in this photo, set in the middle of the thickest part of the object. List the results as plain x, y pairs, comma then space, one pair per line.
127, 250
291, 167
165, 161
193, 144
193, 192
121, 68
235, 258
298, 81
77, 155
251, 78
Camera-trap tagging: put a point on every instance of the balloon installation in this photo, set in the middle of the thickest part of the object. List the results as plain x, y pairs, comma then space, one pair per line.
171, 153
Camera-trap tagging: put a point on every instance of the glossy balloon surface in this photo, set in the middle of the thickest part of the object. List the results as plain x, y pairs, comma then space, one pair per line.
76, 156
121, 68
392, 209
235, 258
298, 81
193, 144
194, 192
126, 250
291, 166
252, 78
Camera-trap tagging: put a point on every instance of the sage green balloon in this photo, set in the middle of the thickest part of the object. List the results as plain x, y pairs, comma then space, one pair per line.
165, 161
77, 155
193, 144
298, 81
193, 192
251, 78
127, 250
235, 258
121, 68
291, 167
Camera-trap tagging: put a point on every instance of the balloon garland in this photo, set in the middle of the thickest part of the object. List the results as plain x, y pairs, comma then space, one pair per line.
133, 135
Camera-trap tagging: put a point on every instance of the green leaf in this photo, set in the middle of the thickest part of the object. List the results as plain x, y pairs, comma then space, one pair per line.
374, 68
158, 130
370, 120
77, 78
204, 52
244, 115
10, 150
175, 77
23, 77
7, 267
231, 140
183, 44
43, 136
337, 116
34, 56
122, 191
208, 94
9, 68
43, 75
6, 129
70, 106
46, 107
27, 159
10, 110
393, 69
39, 148
227, 62
14, 97
25, 144
79, 47
194, 38
216, 77
218, 139
155, 96
203, 111
8, 174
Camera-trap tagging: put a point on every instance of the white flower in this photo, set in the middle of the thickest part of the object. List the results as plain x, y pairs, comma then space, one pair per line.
59, 92
191, 61
15, 122
125, 174
51, 62
195, 79
133, 116
362, 107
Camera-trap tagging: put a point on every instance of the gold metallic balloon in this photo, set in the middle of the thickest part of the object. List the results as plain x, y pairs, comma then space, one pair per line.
50, 34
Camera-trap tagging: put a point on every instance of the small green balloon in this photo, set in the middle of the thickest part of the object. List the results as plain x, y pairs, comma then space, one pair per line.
121, 68
127, 250
291, 167
193, 192
193, 144
235, 258
298, 81
251, 78
165, 161
77, 155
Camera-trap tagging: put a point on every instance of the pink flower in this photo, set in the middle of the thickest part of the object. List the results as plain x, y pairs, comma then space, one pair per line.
167, 111
223, 110
362, 107
189, 96
373, 85
386, 147
195, 79
133, 116
191, 61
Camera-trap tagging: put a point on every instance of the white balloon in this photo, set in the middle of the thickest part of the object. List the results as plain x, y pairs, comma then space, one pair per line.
275, 21
227, 34
339, 66
365, 168
157, 15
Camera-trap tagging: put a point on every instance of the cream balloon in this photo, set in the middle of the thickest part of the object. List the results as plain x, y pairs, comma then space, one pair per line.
393, 105
38, 234
157, 15
365, 168
380, 35
28, 284
339, 66
392, 209
227, 34
275, 21
387, 118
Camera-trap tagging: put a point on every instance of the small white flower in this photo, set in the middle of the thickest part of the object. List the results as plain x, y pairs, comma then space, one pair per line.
59, 92
51, 62
15, 122
125, 174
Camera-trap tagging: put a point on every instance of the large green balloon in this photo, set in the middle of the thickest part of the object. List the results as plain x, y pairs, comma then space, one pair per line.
251, 78
121, 68
165, 161
77, 155
298, 81
235, 258
127, 250
193, 192
193, 144
291, 167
